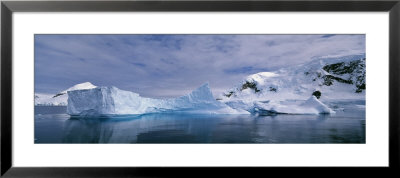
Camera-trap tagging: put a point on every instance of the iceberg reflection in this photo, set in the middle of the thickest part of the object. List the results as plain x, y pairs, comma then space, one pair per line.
148, 128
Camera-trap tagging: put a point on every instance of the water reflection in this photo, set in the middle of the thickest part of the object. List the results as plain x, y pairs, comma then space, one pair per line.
151, 128
177, 128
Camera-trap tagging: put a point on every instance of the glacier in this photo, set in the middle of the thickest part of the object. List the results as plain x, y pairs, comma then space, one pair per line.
113, 101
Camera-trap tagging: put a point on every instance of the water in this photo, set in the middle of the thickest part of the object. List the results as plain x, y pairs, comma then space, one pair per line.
52, 125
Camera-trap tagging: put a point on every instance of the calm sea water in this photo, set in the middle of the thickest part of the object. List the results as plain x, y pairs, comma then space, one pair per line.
53, 125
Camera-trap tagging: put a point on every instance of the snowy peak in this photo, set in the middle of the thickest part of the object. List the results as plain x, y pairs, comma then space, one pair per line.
261, 75
259, 78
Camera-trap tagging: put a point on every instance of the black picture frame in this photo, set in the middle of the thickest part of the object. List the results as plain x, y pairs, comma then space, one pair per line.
8, 7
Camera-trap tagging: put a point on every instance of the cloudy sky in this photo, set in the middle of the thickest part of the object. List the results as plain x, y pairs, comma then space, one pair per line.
172, 65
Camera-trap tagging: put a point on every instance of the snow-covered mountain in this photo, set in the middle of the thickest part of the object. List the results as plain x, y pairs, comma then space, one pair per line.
301, 89
330, 77
113, 101
61, 98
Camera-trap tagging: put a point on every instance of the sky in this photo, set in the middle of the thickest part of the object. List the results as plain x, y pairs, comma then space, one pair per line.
163, 66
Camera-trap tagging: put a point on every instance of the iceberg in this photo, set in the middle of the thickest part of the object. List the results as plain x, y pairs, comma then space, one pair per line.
113, 101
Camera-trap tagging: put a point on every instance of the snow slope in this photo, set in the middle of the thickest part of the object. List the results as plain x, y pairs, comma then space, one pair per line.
61, 98
113, 101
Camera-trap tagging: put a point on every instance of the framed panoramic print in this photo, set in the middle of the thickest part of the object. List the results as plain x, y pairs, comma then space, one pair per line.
151, 88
